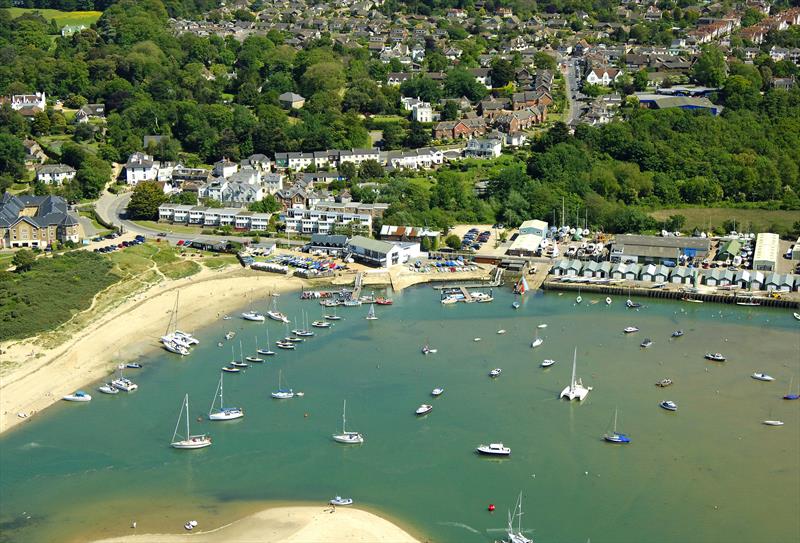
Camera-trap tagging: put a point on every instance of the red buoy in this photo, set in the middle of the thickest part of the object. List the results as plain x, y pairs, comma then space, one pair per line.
491, 507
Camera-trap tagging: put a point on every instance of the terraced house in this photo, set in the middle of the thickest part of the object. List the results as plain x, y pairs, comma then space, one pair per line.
35, 221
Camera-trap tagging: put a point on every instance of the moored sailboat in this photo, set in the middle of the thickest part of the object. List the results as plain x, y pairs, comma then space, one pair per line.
371, 314
614, 436
575, 390
223, 413
190, 441
348, 438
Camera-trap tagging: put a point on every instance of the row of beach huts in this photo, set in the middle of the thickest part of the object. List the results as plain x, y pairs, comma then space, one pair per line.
683, 275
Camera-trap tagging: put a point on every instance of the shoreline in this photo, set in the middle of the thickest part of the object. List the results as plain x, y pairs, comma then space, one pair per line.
43, 375
290, 523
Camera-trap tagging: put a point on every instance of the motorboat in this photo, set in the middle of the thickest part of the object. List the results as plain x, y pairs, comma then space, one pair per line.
762, 377
449, 300
173, 347
231, 369
321, 324
716, 357
384, 301
253, 316
78, 396
338, 500
426, 349
773, 422
608, 300
230, 335
438, 391
424, 409
632, 305
282, 393
351, 303
108, 388
542, 326
124, 384
664, 383
630, 329
646, 343
547, 363
133, 365
223, 413
669, 405
254, 359
677, 333
495, 372
575, 389
493, 449
501, 331
614, 436
189, 441
536, 342
348, 438
277, 316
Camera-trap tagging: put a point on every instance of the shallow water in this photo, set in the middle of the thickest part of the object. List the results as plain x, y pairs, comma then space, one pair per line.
707, 473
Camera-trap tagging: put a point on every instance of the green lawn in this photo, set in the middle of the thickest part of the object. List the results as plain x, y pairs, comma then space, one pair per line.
172, 228
753, 220
61, 18
217, 261
5, 260
387, 118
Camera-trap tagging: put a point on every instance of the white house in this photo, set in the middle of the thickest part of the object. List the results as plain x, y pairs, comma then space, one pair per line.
55, 174
140, 167
603, 76
422, 113
272, 182
483, 148
382, 254
415, 158
315, 221
21, 101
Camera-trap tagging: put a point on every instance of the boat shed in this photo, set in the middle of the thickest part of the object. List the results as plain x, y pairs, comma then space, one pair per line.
713, 277
591, 269
632, 272
328, 243
618, 271
681, 275
574, 268
766, 255
729, 249
783, 282
649, 272
658, 250
561, 267
728, 278
604, 271
531, 234
382, 254
662, 273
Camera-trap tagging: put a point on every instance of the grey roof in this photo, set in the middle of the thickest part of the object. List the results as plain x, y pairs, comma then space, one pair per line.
369, 244
52, 210
290, 97
52, 169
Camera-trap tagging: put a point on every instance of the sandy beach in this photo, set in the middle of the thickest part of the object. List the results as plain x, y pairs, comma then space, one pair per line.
307, 524
39, 377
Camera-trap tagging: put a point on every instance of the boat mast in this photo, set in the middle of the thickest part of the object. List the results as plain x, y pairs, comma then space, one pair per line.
344, 411
177, 424
186, 401
574, 362
214, 400
615, 420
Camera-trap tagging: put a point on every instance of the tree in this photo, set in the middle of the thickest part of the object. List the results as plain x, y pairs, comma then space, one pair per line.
710, 68
184, 197
450, 111
393, 136
146, 198
453, 241
418, 136
544, 61
370, 169
460, 82
502, 72
12, 156
640, 80
347, 170
268, 204
24, 260
675, 223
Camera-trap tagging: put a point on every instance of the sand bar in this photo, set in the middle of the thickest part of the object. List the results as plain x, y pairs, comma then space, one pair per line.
306, 524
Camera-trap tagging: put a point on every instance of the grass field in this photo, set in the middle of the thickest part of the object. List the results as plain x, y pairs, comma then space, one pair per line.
753, 220
62, 18
172, 228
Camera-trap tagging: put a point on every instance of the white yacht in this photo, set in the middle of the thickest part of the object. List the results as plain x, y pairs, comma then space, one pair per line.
575, 390
516, 536
762, 377
282, 393
371, 314
424, 409
321, 324
267, 351
189, 441
186, 336
223, 413
173, 347
276, 315
630, 329
108, 388
547, 363
493, 449
253, 316
348, 438
79, 396
438, 391
125, 384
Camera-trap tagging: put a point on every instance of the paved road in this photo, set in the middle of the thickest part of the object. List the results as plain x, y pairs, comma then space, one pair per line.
112, 208
571, 88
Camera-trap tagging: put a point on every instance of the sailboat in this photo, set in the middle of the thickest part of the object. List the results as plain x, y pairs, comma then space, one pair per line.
630, 304
276, 315
426, 349
267, 351
190, 441
351, 438
520, 289
516, 536
789, 395
575, 390
578, 299
333, 317
616, 437
371, 315
254, 358
174, 340
282, 393
223, 413
537, 341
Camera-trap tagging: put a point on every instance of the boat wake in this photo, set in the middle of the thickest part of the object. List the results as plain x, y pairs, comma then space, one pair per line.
460, 525
29, 446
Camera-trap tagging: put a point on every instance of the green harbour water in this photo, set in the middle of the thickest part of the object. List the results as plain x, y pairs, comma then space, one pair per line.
711, 472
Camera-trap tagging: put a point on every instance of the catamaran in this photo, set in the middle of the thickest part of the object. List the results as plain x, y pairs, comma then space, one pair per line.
616, 437
190, 441
282, 393
223, 413
575, 390
516, 536
174, 340
349, 438
371, 314
173, 347
121, 383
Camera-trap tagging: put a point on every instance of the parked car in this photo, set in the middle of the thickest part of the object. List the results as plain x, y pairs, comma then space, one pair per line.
162, 234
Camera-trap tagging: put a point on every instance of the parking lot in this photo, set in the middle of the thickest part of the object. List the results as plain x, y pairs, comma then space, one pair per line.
480, 238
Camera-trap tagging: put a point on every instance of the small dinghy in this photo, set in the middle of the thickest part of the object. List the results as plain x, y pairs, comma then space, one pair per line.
423, 409
664, 383
476, 339
133, 365
646, 343
716, 357
501, 331
547, 363
438, 391
542, 326
762, 377
338, 500
630, 329
796, 316
536, 342
495, 372
669, 405
773, 422
677, 333
608, 300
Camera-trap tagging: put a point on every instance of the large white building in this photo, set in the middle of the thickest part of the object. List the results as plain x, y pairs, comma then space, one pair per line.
531, 234
382, 254
55, 174
237, 218
140, 167
767, 249
315, 221
424, 158
22, 101
323, 159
